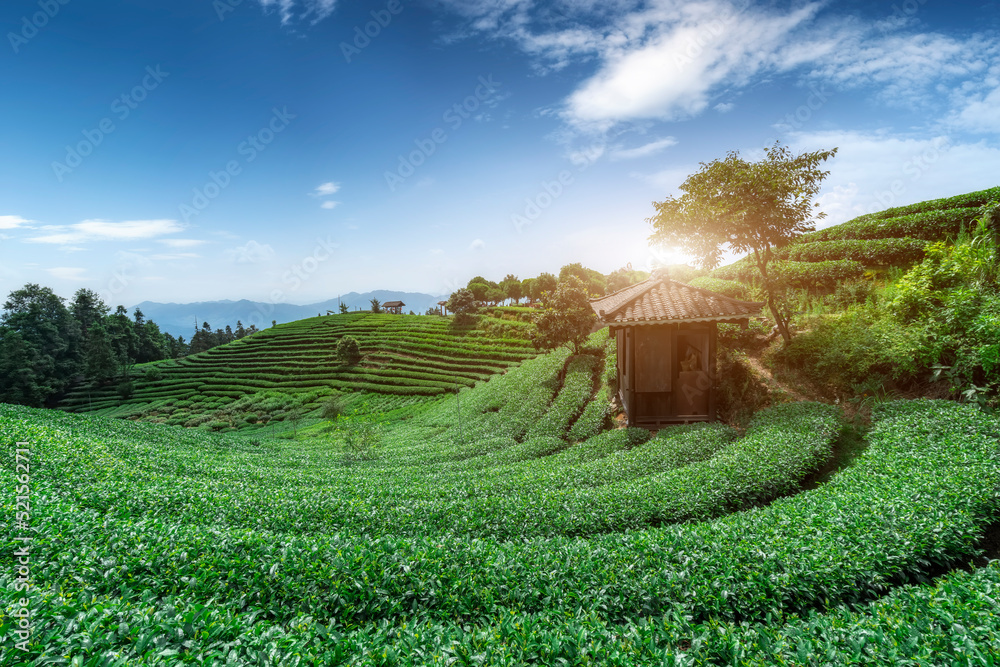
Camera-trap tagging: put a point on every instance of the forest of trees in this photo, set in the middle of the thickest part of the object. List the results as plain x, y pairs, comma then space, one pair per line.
46, 345
513, 290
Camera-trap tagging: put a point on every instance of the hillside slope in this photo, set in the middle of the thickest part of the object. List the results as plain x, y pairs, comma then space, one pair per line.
893, 237
403, 356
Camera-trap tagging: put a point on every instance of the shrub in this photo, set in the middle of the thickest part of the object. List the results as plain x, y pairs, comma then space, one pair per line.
838, 352
348, 350
125, 389
333, 407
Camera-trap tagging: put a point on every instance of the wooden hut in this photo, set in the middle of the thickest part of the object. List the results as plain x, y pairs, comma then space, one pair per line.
666, 337
443, 305
395, 307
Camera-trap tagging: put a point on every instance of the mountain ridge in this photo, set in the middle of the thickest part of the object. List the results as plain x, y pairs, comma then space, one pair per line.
181, 319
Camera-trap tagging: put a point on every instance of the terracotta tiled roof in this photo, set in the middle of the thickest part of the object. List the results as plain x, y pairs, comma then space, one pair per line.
393, 304
662, 301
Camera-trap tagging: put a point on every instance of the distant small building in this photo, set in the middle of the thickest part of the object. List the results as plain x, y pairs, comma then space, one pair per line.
444, 307
395, 307
665, 333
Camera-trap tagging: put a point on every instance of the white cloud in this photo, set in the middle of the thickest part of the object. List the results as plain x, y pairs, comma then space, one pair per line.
979, 113
12, 221
644, 150
67, 273
478, 244
174, 256
326, 189
666, 59
875, 171
905, 67
182, 243
666, 180
104, 230
670, 75
250, 253
329, 204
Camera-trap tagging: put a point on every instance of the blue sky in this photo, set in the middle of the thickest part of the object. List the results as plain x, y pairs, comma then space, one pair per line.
293, 150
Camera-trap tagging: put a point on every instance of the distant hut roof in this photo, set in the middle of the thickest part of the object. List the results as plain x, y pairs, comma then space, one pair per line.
660, 300
393, 304
442, 303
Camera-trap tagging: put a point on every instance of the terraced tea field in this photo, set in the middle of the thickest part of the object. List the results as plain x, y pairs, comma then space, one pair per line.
404, 356
501, 527
893, 237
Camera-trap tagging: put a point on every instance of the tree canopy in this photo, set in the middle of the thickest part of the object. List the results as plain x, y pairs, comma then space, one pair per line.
744, 207
566, 317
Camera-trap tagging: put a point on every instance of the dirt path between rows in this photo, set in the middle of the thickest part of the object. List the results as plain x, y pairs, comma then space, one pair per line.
765, 374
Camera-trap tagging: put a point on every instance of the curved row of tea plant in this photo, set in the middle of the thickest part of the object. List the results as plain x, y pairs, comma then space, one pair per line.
411, 355
914, 502
930, 225
869, 253
951, 622
808, 275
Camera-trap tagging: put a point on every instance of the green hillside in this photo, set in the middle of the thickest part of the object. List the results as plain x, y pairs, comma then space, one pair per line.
295, 365
480, 529
895, 237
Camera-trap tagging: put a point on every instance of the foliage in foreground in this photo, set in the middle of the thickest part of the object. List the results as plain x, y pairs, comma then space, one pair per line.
164, 546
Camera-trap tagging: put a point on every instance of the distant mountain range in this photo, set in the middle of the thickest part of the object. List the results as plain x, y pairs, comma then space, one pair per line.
180, 319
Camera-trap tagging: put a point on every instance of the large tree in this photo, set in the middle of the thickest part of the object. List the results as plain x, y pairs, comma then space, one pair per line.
48, 341
511, 287
463, 304
746, 208
566, 317
545, 282
592, 280
88, 308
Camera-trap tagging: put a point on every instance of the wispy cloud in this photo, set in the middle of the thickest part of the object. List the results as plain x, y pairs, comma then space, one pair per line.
329, 204
72, 273
12, 221
665, 60
105, 230
250, 253
644, 150
182, 243
326, 189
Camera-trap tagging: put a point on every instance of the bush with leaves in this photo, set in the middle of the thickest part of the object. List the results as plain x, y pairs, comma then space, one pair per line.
348, 350
360, 431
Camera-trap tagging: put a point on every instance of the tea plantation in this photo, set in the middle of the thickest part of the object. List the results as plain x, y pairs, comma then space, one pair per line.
503, 526
874, 241
294, 366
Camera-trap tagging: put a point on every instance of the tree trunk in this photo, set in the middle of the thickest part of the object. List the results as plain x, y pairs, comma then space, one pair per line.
779, 321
